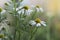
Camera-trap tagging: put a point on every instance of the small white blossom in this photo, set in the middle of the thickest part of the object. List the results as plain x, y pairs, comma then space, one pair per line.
38, 25
37, 22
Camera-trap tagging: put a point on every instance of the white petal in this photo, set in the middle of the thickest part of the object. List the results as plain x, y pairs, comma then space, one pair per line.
43, 23
17, 9
29, 10
38, 24
22, 11
37, 9
19, 12
41, 9
32, 22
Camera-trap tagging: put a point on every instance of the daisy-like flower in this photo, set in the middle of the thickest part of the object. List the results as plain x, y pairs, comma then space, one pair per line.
37, 22
25, 9
38, 8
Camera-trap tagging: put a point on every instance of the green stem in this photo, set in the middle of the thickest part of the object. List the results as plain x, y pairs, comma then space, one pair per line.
19, 35
33, 33
14, 34
48, 28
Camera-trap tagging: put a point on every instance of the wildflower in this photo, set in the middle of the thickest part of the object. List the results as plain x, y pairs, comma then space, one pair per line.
38, 8
1, 35
37, 22
24, 9
0, 9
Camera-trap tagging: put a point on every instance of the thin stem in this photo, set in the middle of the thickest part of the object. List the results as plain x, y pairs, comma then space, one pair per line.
33, 33
48, 29
19, 35
14, 34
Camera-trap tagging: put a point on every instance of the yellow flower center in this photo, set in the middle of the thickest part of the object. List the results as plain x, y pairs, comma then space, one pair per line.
37, 20
1, 35
37, 6
26, 7
0, 9
20, 0
6, 4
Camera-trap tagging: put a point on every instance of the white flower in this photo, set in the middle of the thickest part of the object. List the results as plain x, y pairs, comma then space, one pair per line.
38, 25
27, 12
37, 22
32, 22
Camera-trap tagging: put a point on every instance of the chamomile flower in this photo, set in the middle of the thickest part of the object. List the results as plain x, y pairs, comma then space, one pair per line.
37, 22
38, 8
23, 10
